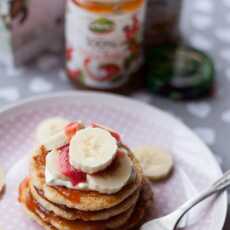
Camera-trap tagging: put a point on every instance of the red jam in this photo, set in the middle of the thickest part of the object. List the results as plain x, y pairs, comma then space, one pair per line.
71, 129
70, 194
22, 186
75, 176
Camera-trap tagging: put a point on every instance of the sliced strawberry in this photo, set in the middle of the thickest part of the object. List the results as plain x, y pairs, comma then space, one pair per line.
75, 176
78, 177
69, 54
65, 167
111, 70
73, 74
62, 148
120, 153
114, 133
71, 129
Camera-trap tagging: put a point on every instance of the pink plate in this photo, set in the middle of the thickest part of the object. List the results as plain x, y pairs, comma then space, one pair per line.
140, 124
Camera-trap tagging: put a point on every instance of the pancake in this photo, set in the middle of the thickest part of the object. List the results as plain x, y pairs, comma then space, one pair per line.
36, 218
143, 206
73, 214
51, 222
51, 219
62, 224
82, 200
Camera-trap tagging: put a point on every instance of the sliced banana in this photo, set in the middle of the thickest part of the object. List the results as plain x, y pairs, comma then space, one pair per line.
112, 181
92, 149
156, 163
50, 127
2, 180
56, 141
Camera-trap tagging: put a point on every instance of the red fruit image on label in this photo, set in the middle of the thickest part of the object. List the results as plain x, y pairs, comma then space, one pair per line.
73, 74
131, 31
103, 72
69, 54
114, 133
75, 176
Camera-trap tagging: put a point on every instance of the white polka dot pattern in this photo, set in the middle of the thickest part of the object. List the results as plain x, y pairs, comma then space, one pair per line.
200, 110
9, 93
226, 3
223, 34
200, 21
206, 134
206, 6
226, 116
40, 85
225, 54
201, 42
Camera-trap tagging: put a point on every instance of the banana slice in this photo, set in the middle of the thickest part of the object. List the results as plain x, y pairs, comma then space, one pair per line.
156, 163
50, 127
58, 140
112, 179
92, 149
2, 180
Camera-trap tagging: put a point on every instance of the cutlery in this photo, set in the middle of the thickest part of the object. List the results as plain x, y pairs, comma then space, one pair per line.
171, 221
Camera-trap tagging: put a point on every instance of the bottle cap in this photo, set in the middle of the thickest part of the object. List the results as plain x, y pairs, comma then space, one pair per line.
180, 72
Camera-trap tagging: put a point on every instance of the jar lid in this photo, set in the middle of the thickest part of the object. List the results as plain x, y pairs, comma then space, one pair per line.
103, 1
180, 72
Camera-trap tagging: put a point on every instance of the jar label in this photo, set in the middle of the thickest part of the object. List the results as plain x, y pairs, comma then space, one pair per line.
102, 50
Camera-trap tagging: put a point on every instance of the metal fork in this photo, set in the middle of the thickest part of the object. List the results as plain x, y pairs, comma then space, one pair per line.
171, 221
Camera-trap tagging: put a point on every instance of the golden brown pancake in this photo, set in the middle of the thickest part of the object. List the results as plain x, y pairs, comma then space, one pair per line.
73, 214
48, 219
82, 200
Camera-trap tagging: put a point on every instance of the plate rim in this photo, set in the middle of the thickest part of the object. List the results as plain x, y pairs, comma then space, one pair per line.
127, 100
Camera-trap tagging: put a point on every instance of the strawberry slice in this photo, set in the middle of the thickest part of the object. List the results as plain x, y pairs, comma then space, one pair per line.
71, 129
120, 153
75, 176
114, 133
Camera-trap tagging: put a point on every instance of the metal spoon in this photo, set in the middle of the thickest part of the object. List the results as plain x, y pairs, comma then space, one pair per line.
171, 221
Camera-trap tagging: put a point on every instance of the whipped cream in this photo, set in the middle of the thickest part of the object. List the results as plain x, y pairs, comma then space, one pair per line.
54, 180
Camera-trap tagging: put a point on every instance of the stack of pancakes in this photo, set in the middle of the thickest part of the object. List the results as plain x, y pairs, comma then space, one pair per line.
56, 207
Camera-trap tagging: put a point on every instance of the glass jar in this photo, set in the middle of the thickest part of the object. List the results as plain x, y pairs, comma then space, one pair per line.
104, 41
162, 24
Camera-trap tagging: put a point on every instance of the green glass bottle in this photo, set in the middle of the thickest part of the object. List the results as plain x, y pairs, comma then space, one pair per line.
175, 69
